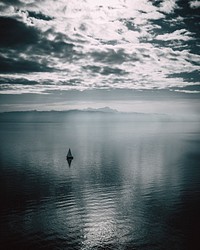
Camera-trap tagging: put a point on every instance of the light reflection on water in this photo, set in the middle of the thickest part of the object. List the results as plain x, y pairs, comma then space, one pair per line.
130, 186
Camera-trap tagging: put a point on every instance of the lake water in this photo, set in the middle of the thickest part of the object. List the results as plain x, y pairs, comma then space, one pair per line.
131, 185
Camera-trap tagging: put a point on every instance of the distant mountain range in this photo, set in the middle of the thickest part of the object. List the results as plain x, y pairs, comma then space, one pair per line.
104, 109
105, 114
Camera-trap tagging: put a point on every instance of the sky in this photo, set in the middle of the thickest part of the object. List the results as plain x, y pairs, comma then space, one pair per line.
132, 55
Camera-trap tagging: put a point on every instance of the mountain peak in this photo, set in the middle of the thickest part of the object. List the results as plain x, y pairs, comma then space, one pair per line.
104, 109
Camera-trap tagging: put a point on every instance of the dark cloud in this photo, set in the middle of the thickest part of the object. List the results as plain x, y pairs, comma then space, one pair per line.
21, 81
193, 76
57, 47
157, 2
188, 88
17, 38
105, 70
15, 2
18, 65
39, 15
115, 71
71, 82
112, 56
14, 33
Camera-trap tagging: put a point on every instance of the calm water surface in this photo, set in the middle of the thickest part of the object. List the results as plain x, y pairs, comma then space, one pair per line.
130, 185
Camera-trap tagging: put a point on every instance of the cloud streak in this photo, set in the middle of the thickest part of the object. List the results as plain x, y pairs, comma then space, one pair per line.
64, 45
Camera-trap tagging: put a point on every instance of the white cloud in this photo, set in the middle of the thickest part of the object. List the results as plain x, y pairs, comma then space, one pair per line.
188, 91
168, 6
194, 4
182, 34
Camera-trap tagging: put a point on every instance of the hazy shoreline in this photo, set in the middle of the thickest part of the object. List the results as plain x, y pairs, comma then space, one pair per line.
95, 114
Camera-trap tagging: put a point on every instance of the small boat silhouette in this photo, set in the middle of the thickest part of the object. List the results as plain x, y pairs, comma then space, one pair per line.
69, 157
69, 154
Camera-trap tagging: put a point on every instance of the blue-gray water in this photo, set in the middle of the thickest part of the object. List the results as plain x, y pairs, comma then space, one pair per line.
131, 185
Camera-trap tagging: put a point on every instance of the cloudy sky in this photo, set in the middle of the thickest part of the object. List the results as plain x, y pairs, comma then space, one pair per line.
133, 55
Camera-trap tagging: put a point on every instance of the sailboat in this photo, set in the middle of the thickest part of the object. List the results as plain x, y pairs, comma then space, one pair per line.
69, 157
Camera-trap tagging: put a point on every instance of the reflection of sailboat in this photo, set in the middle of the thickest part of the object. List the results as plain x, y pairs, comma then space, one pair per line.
69, 157
69, 161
